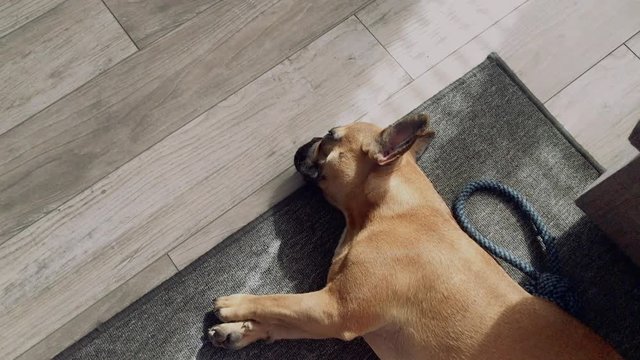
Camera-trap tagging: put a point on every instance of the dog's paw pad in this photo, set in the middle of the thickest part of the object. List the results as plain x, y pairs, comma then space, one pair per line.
233, 336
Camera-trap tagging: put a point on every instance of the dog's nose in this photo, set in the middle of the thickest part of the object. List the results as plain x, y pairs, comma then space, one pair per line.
303, 153
302, 161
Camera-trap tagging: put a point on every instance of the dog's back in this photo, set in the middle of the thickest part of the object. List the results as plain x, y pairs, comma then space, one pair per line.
449, 298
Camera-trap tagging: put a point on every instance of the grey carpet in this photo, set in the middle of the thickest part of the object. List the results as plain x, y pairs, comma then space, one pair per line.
487, 127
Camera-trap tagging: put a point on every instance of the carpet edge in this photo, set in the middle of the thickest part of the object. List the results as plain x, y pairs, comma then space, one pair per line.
552, 119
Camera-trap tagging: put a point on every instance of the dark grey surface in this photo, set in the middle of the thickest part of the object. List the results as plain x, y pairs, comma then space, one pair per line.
487, 127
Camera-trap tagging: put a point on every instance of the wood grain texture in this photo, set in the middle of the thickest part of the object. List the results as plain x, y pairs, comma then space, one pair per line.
114, 302
100, 238
548, 44
114, 117
420, 33
634, 44
49, 57
602, 106
238, 216
148, 20
15, 13
613, 203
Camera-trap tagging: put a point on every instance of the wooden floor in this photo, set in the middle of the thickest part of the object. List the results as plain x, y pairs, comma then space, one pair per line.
137, 135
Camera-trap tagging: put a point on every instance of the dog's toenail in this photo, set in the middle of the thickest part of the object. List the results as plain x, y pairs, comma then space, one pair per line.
218, 336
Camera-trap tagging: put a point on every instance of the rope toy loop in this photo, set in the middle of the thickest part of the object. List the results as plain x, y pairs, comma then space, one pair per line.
548, 285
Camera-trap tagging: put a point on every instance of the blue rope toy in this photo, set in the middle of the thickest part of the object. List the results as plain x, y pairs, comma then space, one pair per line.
549, 285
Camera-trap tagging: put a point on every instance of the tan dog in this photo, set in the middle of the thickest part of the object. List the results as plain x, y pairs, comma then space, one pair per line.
404, 275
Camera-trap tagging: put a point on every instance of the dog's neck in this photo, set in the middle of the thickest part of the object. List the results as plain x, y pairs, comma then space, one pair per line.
388, 191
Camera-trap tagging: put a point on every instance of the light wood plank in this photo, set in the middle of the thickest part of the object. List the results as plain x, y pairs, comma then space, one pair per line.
98, 239
83, 137
233, 220
420, 33
15, 13
634, 44
148, 20
548, 44
54, 54
602, 106
114, 302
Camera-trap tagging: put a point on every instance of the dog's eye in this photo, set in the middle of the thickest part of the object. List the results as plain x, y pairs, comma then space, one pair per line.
331, 134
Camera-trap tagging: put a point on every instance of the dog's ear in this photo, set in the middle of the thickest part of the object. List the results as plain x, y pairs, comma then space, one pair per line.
422, 143
412, 132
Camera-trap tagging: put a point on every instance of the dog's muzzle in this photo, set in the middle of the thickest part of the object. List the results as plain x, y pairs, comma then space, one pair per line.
304, 160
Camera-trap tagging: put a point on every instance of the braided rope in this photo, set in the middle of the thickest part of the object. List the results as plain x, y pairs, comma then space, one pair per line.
549, 285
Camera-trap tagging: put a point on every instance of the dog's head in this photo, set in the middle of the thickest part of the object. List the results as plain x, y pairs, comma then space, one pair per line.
342, 161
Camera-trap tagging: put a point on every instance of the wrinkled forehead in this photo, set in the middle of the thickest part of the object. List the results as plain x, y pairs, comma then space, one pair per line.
355, 132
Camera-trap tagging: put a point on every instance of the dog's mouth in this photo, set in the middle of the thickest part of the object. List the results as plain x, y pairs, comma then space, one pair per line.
304, 160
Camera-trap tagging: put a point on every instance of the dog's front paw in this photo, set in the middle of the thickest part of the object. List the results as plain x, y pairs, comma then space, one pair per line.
236, 335
234, 307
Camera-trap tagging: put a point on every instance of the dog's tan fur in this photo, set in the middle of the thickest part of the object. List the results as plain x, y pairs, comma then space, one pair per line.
404, 275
